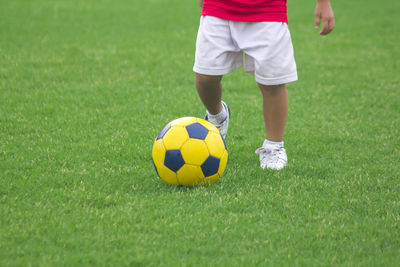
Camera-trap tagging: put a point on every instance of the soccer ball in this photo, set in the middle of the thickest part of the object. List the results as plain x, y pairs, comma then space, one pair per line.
189, 151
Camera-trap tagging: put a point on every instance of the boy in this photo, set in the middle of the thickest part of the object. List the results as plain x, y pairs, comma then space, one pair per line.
258, 30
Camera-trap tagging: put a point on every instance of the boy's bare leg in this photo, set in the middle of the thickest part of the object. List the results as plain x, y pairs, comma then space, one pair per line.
275, 109
209, 89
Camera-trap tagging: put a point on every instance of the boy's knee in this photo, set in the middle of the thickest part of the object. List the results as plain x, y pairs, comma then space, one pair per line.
207, 80
272, 89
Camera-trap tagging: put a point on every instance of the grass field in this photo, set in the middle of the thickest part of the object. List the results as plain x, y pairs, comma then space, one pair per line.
85, 86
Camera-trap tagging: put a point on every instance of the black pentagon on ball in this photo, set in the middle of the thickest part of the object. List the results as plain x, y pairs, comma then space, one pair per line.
173, 160
210, 166
163, 131
196, 130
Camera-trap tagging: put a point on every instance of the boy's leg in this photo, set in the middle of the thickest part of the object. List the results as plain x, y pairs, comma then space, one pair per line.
275, 110
209, 89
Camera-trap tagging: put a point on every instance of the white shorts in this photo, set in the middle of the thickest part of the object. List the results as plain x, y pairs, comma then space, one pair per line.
266, 46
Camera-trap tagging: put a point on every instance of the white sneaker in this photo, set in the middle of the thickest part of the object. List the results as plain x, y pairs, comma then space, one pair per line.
223, 126
272, 157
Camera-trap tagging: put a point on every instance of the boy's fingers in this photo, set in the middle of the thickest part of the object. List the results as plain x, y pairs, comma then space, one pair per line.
317, 20
332, 24
327, 26
324, 28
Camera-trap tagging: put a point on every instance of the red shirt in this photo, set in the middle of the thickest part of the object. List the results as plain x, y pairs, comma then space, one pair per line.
246, 10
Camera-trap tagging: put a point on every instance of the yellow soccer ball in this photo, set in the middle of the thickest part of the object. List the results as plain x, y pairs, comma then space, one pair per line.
189, 151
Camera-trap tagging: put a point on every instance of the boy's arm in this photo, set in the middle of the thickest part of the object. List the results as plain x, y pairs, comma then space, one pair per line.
324, 13
201, 3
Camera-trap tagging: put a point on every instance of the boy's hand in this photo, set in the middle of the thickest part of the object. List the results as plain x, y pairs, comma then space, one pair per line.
324, 13
201, 3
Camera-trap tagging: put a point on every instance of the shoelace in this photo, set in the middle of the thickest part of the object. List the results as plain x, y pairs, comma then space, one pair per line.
216, 124
273, 154
219, 125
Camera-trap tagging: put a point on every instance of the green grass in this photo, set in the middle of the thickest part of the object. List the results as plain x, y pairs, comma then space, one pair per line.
85, 86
